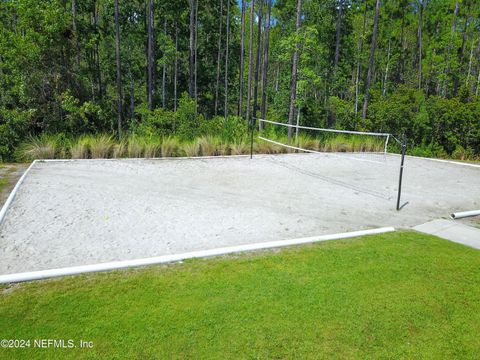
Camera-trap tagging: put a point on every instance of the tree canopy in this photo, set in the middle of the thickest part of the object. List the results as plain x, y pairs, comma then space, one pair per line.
399, 66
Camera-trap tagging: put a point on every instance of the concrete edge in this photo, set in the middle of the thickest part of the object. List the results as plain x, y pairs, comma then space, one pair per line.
44, 274
10, 198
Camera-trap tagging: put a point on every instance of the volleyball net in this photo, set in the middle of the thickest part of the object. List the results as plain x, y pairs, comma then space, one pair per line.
361, 145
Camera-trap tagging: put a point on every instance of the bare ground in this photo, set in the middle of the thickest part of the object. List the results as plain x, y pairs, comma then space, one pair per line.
10, 173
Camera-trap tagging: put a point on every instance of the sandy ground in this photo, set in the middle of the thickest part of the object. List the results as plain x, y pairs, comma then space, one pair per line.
86, 212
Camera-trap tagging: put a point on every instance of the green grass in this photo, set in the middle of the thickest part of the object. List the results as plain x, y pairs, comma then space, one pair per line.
3, 183
400, 295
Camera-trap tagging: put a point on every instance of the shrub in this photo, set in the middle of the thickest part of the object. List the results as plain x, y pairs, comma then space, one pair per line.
42, 147
191, 148
13, 128
170, 147
80, 148
159, 122
100, 146
119, 149
239, 148
187, 121
135, 147
208, 145
152, 147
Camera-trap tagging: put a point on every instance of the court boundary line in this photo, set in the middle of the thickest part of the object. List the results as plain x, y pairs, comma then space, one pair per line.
165, 259
438, 160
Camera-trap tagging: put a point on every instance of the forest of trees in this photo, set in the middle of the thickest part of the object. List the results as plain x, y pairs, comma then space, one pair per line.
149, 66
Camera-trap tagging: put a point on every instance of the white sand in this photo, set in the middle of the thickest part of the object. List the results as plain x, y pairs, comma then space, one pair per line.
86, 212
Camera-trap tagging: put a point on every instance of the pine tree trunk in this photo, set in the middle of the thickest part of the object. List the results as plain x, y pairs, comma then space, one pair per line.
359, 60
98, 72
265, 62
226, 60
277, 77
293, 86
119, 73
257, 61
132, 96
477, 55
75, 32
191, 45
242, 61
337, 38
450, 46
150, 55
196, 56
420, 43
250, 60
470, 61
219, 57
164, 68
371, 59
385, 81
176, 70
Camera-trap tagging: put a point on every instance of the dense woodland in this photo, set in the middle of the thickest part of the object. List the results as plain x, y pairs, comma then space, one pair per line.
190, 67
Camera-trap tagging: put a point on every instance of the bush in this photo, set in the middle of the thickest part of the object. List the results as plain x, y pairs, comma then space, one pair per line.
158, 122
187, 122
43, 147
13, 129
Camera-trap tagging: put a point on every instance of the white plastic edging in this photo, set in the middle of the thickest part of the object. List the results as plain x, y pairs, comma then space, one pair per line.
464, 214
44, 274
441, 160
152, 158
10, 198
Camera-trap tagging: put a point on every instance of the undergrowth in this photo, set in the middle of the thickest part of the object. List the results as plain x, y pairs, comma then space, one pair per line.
153, 146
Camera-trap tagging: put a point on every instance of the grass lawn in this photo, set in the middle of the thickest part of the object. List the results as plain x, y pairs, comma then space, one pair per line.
398, 295
3, 183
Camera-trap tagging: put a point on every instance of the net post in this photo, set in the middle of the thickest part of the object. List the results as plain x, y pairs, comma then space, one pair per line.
404, 147
386, 143
251, 137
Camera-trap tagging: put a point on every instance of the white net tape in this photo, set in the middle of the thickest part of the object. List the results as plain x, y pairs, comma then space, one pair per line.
369, 156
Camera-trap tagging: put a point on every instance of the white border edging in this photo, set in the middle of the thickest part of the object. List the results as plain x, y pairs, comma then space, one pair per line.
439, 160
464, 214
44, 274
146, 159
10, 198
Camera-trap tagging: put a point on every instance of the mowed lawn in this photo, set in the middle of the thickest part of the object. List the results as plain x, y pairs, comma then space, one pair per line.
398, 295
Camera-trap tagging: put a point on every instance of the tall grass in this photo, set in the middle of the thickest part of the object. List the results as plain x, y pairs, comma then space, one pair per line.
135, 146
239, 148
42, 147
170, 147
79, 149
191, 149
101, 146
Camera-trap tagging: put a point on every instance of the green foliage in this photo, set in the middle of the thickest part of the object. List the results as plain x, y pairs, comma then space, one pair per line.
13, 129
157, 122
58, 79
80, 118
402, 295
44, 147
187, 120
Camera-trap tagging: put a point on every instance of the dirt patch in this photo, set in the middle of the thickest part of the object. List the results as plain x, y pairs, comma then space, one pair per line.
9, 175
